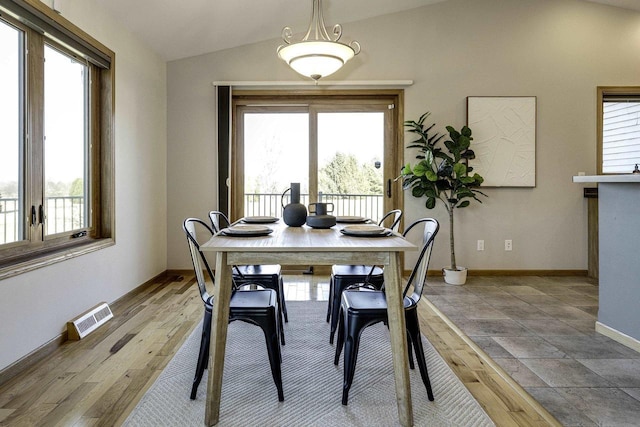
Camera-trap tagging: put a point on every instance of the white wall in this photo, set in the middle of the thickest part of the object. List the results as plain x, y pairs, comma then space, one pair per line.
557, 50
34, 307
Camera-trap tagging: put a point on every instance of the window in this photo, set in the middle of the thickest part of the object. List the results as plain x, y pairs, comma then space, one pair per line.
618, 129
56, 139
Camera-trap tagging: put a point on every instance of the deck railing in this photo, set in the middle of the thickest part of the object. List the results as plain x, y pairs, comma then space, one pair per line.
62, 213
269, 204
67, 213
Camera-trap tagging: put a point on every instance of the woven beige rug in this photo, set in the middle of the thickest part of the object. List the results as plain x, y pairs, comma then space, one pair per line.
312, 384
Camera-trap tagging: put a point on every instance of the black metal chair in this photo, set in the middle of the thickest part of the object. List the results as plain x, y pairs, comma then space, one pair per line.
255, 306
269, 276
343, 276
360, 309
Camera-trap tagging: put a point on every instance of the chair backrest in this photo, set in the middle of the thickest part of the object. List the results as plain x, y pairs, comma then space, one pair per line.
190, 226
419, 274
219, 220
394, 215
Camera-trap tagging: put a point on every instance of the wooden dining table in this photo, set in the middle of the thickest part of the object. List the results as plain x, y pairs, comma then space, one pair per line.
307, 246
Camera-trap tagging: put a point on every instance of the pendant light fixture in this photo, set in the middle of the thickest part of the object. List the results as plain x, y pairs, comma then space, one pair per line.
317, 55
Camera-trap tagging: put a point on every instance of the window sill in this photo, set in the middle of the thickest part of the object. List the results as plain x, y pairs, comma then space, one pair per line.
36, 262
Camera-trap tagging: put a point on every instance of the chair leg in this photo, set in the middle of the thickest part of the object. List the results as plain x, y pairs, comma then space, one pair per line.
330, 301
353, 330
283, 304
270, 330
203, 355
413, 328
410, 351
280, 323
336, 295
340, 342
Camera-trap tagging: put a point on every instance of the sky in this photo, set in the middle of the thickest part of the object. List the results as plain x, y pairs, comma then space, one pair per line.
276, 145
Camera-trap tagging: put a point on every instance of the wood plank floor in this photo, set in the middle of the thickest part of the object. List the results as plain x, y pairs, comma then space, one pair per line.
97, 381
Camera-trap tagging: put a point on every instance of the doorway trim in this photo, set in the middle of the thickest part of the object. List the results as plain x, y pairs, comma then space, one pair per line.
394, 98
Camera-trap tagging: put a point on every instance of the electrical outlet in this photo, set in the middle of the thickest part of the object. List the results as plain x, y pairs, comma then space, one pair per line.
508, 245
481, 245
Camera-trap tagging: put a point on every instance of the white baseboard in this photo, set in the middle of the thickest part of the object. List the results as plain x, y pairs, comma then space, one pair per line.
618, 336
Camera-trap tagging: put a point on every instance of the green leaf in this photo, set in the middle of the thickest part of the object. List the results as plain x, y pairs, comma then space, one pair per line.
469, 154
479, 180
463, 143
431, 175
431, 193
417, 192
460, 169
464, 204
466, 131
430, 203
421, 168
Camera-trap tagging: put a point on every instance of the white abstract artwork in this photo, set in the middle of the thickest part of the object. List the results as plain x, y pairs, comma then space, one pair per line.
504, 139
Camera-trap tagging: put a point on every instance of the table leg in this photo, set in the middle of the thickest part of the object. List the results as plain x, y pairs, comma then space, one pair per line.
397, 330
219, 323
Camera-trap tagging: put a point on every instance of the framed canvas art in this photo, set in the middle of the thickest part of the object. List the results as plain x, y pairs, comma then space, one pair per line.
504, 139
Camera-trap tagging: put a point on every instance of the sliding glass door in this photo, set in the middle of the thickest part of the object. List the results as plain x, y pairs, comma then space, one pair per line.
342, 151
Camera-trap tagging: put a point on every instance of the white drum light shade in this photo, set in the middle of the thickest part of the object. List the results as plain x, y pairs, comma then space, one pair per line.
316, 59
319, 57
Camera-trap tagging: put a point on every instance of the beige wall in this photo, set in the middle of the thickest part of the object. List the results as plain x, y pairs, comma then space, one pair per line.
34, 307
556, 50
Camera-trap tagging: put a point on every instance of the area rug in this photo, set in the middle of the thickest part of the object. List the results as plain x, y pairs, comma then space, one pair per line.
312, 383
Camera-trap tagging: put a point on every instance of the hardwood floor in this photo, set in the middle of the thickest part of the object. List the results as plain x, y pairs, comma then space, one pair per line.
98, 380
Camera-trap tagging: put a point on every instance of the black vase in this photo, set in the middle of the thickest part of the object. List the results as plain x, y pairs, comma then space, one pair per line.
295, 213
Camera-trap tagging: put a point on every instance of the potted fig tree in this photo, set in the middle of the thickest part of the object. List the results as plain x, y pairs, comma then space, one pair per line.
442, 173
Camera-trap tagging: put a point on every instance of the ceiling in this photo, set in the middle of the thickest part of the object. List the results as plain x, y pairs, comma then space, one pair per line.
180, 29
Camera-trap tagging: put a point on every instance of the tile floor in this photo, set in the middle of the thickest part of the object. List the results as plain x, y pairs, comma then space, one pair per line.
541, 330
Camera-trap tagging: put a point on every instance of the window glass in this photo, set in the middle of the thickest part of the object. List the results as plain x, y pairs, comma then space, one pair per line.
350, 159
65, 146
276, 153
620, 135
11, 133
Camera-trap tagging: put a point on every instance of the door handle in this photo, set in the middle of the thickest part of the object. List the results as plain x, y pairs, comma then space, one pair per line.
389, 188
33, 215
41, 214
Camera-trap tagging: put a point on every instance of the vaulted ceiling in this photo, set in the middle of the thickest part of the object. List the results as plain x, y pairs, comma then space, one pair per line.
179, 29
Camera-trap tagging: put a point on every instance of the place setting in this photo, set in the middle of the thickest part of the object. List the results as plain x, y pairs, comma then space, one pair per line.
366, 230
351, 219
246, 230
260, 219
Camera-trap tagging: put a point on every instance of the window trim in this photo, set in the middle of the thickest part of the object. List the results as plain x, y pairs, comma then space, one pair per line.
15, 259
602, 93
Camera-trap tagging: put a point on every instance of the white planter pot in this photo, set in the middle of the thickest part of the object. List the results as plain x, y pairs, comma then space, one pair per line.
455, 277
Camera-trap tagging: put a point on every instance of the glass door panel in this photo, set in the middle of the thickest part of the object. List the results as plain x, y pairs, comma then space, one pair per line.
350, 162
12, 218
276, 153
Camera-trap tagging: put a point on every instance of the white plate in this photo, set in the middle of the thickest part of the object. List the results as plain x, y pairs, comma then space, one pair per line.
351, 219
260, 219
364, 230
247, 230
